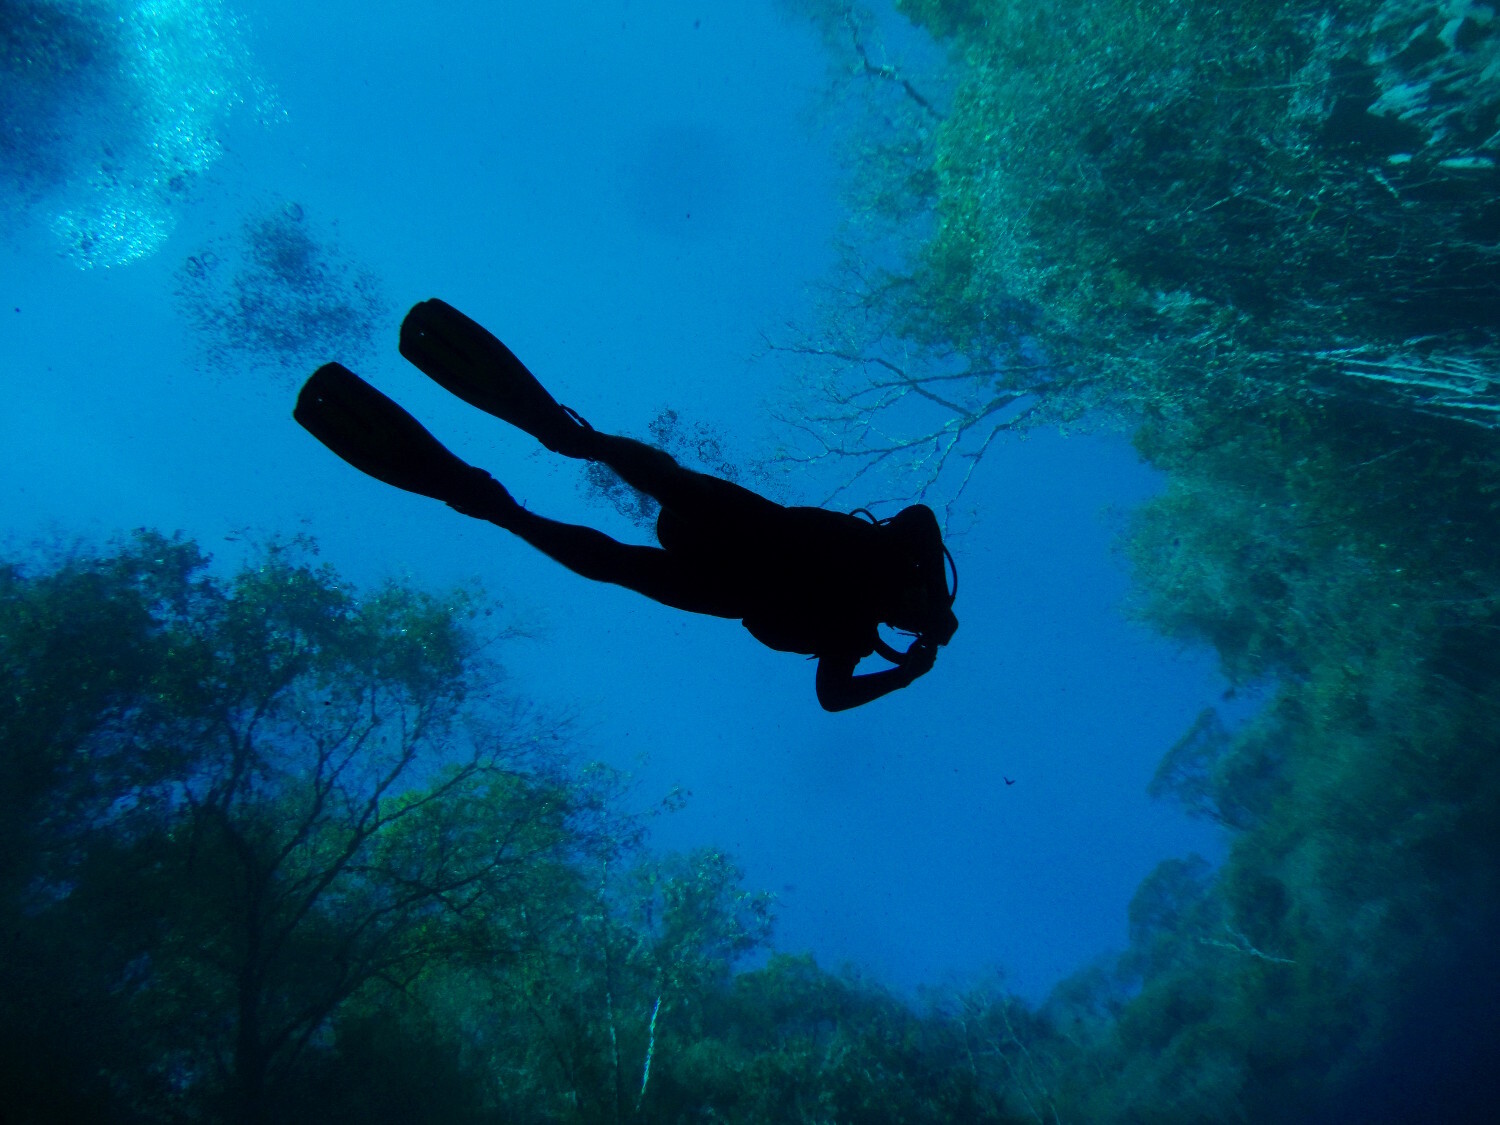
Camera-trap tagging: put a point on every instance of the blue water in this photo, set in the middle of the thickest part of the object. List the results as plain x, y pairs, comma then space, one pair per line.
633, 195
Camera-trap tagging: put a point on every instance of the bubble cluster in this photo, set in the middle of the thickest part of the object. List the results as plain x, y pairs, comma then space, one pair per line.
110, 109
698, 446
279, 294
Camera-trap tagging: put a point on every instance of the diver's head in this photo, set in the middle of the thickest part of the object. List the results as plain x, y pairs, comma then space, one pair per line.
923, 602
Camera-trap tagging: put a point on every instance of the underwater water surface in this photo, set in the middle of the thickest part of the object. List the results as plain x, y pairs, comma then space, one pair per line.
1149, 843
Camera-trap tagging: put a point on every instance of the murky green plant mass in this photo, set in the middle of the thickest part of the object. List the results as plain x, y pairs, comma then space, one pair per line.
320, 802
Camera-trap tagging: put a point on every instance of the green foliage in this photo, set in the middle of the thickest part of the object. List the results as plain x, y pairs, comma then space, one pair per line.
272, 850
791, 1043
947, 18
280, 855
1185, 211
1213, 202
252, 803
1264, 236
84, 652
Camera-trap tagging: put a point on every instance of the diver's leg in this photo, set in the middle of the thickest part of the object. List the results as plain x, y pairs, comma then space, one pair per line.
663, 576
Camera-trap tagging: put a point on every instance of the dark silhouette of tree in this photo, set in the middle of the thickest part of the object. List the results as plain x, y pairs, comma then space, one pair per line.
1262, 238
274, 797
279, 851
1144, 209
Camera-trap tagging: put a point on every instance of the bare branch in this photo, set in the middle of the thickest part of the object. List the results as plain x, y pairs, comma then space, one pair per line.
1461, 387
884, 71
1239, 943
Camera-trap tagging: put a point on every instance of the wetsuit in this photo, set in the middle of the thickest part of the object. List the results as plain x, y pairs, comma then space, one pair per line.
801, 579
804, 580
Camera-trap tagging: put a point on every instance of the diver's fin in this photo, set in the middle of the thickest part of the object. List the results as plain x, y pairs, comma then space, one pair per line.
467, 360
382, 440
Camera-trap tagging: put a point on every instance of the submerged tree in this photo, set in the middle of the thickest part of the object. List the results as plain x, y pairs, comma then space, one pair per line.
1263, 238
270, 798
1143, 207
275, 851
273, 855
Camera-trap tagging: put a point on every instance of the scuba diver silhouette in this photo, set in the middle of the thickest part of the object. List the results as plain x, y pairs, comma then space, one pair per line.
804, 580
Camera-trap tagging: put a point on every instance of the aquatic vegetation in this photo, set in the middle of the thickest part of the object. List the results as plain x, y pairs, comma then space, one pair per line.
276, 850
261, 803
1262, 237
282, 293
1248, 202
1157, 207
110, 109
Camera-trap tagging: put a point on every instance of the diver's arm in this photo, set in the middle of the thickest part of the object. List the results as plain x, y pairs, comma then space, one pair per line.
839, 688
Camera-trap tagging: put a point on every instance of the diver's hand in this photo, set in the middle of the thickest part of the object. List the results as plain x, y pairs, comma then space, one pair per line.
919, 658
